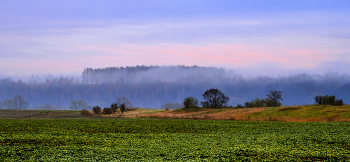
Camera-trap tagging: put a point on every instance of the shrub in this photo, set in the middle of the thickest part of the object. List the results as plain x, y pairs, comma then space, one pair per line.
328, 100
256, 103
190, 102
114, 107
96, 110
122, 108
107, 111
338, 102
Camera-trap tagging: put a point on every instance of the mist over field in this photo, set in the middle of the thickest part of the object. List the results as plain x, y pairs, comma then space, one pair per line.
153, 86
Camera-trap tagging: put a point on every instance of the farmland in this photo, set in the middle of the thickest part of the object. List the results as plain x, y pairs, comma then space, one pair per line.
144, 139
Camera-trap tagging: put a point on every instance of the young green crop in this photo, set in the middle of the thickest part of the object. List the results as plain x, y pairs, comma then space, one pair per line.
171, 140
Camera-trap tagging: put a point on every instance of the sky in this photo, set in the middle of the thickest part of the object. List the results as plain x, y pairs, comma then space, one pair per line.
251, 37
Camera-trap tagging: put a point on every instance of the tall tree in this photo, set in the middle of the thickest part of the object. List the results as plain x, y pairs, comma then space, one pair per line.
20, 102
214, 98
274, 98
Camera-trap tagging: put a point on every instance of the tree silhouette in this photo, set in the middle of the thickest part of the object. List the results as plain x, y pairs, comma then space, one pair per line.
274, 98
214, 98
122, 108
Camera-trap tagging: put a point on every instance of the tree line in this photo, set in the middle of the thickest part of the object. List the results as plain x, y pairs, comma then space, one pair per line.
57, 93
213, 98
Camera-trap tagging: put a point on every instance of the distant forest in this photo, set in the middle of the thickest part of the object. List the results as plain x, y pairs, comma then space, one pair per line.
154, 86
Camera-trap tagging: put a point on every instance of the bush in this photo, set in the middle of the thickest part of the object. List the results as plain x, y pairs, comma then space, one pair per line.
338, 102
107, 111
96, 110
325, 100
256, 103
114, 107
190, 102
328, 100
122, 108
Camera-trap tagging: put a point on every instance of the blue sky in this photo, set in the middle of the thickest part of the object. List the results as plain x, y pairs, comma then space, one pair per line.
251, 37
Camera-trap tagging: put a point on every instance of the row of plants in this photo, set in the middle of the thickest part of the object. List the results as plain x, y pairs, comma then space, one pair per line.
171, 140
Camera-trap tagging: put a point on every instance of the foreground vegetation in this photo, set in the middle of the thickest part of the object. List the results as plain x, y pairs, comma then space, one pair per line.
171, 140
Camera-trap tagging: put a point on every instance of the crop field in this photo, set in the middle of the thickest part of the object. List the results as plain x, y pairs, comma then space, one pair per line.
172, 140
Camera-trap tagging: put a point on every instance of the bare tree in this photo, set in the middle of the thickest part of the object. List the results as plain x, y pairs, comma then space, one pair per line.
214, 98
79, 105
125, 101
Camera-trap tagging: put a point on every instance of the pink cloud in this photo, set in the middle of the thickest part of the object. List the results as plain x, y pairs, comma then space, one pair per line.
238, 56
231, 56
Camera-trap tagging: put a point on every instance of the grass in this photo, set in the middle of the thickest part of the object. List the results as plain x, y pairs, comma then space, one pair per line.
309, 113
172, 140
305, 113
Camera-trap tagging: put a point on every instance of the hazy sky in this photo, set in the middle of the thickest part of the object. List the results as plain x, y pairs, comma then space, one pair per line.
253, 37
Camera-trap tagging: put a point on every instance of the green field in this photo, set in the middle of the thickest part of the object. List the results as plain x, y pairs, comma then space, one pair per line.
171, 140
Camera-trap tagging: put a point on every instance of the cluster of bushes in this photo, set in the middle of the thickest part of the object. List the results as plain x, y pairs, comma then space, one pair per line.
122, 104
111, 110
328, 100
272, 100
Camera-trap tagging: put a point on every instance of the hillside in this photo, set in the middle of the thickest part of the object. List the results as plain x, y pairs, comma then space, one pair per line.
310, 113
